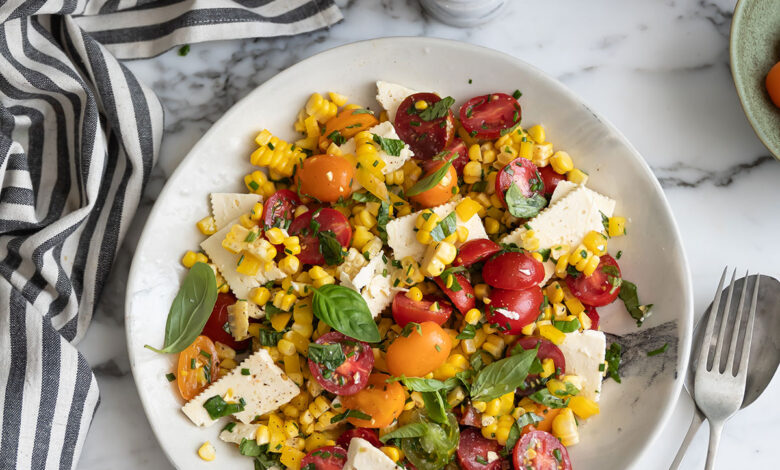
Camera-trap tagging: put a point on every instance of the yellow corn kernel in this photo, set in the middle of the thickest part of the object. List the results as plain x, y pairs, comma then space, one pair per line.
290, 429
415, 294
286, 347
554, 292
590, 265
275, 235
561, 162
248, 265
292, 245
491, 225
541, 153
246, 221
596, 242
579, 254
279, 156
207, 451
480, 406
319, 406
291, 457
316, 273
289, 264
420, 105
337, 98
189, 259
473, 316
320, 108
583, 407
481, 291
262, 435
472, 172
537, 256
365, 219
565, 428
201, 258
577, 176
550, 332
495, 201
574, 305
394, 453
530, 240
317, 440
475, 153
395, 177
361, 236
561, 265
617, 226
537, 133
494, 345
437, 256
260, 295
207, 226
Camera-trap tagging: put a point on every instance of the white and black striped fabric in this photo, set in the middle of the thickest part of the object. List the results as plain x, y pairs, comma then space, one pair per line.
79, 136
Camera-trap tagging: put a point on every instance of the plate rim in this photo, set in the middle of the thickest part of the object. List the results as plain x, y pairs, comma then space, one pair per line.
685, 322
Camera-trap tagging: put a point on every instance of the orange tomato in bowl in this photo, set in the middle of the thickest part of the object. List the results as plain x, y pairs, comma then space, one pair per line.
192, 380
347, 123
419, 353
442, 192
773, 84
325, 178
383, 401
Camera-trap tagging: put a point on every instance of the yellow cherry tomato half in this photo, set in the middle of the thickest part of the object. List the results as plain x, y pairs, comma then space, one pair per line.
419, 353
383, 401
442, 192
325, 178
198, 367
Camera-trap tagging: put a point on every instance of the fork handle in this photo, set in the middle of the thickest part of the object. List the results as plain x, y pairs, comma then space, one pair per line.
715, 429
696, 421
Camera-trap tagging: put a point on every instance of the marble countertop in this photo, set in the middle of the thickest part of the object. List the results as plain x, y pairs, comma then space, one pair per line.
658, 70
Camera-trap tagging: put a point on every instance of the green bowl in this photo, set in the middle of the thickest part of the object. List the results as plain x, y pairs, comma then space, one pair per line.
754, 47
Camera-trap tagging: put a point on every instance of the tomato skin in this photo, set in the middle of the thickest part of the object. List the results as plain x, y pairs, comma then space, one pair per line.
594, 290
473, 445
186, 377
513, 271
366, 434
406, 310
458, 147
383, 401
550, 179
425, 138
464, 299
214, 327
329, 220
474, 251
469, 416
543, 444
439, 194
546, 350
594, 316
280, 208
487, 115
773, 84
523, 303
521, 172
417, 354
335, 460
325, 178
358, 364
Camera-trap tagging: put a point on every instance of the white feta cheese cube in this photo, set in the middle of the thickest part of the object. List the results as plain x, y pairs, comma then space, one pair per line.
362, 455
392, 162
390, 96
239, 432
584, 352
226, 207
373, 283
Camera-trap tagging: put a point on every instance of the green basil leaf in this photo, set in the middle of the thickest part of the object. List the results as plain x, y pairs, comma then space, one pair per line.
502, 376
434, 449
567, 326
612, 358
364, 197
250, 448
468, 332
362, 111
330, 248
417, 384
450, 272
345, 311
437, 110
350, 414
431, 180
382, 218
521, 206
389, 146
217, 407
406, 432
445, 228
630, 298
658, 351
434, 406
549, 400
269, 337
329, 356
517, 428
190, 310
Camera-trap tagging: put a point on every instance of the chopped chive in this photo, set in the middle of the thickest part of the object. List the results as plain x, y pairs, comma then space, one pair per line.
658, 351
170, 377
244, 371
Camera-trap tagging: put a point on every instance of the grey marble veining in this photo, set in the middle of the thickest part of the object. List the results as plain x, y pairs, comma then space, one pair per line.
657, 70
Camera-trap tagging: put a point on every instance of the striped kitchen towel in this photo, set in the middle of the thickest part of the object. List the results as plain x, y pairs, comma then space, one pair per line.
79, 136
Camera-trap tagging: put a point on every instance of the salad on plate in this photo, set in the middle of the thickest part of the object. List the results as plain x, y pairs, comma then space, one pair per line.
415, 287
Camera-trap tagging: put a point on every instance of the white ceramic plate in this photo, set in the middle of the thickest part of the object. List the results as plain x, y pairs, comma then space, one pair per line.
632, 413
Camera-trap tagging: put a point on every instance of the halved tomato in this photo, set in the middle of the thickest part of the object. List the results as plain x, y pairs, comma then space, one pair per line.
473, 451
325, 458
546, 350
426, 138
550, 179
597, 289
325, 220
594, 316
474, 251
216, 326
364, 433
513, 270
406, 310
511, 310
540, 450
522, 173
197, 368
463, 297
279, 208
326, 178
352, 375
488, 115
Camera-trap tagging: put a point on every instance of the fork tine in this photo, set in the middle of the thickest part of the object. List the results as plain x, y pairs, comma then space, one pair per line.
743, 361
705, 343
737, 326
723, 322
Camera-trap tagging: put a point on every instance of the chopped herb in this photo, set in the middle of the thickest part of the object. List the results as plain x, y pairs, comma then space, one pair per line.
414, 123
445, 228
251, 236
549, 400
470, 81
468, 332
545, 252
170, 377
217, 407
330, 248
409, 327
612, 358
605, 222
630, 298
253, 185
351, 126
521, 206
480, 460
390, 146
193, 363
269, 337
438, 348
245, 371
362, 111
184, 50
336, 138
431, 180
382, 218
229, 427
350, 414
619, 254
567, 326
437, 110
517, 94
329, 356
205, 354
658, 351
557, 454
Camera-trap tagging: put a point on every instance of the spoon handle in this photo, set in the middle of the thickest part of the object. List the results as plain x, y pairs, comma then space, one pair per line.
696, 422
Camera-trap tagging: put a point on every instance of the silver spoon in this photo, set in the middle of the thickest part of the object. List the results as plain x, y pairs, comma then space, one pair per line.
764, 353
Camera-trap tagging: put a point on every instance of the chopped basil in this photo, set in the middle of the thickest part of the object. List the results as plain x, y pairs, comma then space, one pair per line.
605, 222
431, 180
362, 111
437, 110
630, 298
517, 427
479, 186
251, 236
549, 400
390, 146
364, 197
409, 327
205, 354
217, 407
184, 50
567, 326
350, 414
521, 206
612, 358
480, 460
329, 356
517, 94
170, 377
658, 351
382, 218
245, 371
545, 252
229, 427
269, 337
557, 454
336, 138
468, 332
330, 248
448, 274
445, 228
619, 254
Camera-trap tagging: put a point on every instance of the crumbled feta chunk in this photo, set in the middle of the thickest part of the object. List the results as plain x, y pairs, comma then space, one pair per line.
584, 352
390, 96
362, 455
226, 207
373, 283
392, 162
239, 432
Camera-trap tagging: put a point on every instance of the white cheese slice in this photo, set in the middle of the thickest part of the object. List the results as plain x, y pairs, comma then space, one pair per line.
226, 207
390, 96
401, 236
562, 189
392, 162
373, 283
239, 432
226, 263
568, 220
265, 389
362, 455
584, 353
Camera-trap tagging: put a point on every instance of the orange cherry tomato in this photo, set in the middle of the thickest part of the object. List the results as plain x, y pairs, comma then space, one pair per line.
547, 414
773, 84
325, 178
419, 353
383, 401
348, 123
191, 380
442, 192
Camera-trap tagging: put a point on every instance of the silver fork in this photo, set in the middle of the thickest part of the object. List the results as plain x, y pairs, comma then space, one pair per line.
719, 391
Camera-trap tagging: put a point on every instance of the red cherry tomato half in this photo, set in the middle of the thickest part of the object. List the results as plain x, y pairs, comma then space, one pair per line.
463, 298
511, 310
278, 209
473, 451
596, 290
367, 434
328, 220
215, 325
486, 116
325, 458
523, 174
550, 179
406, 310
459, 147
425, 138
546, 350
474, 251
351, 376
513, 270
469, 416
543, 456
594, 316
